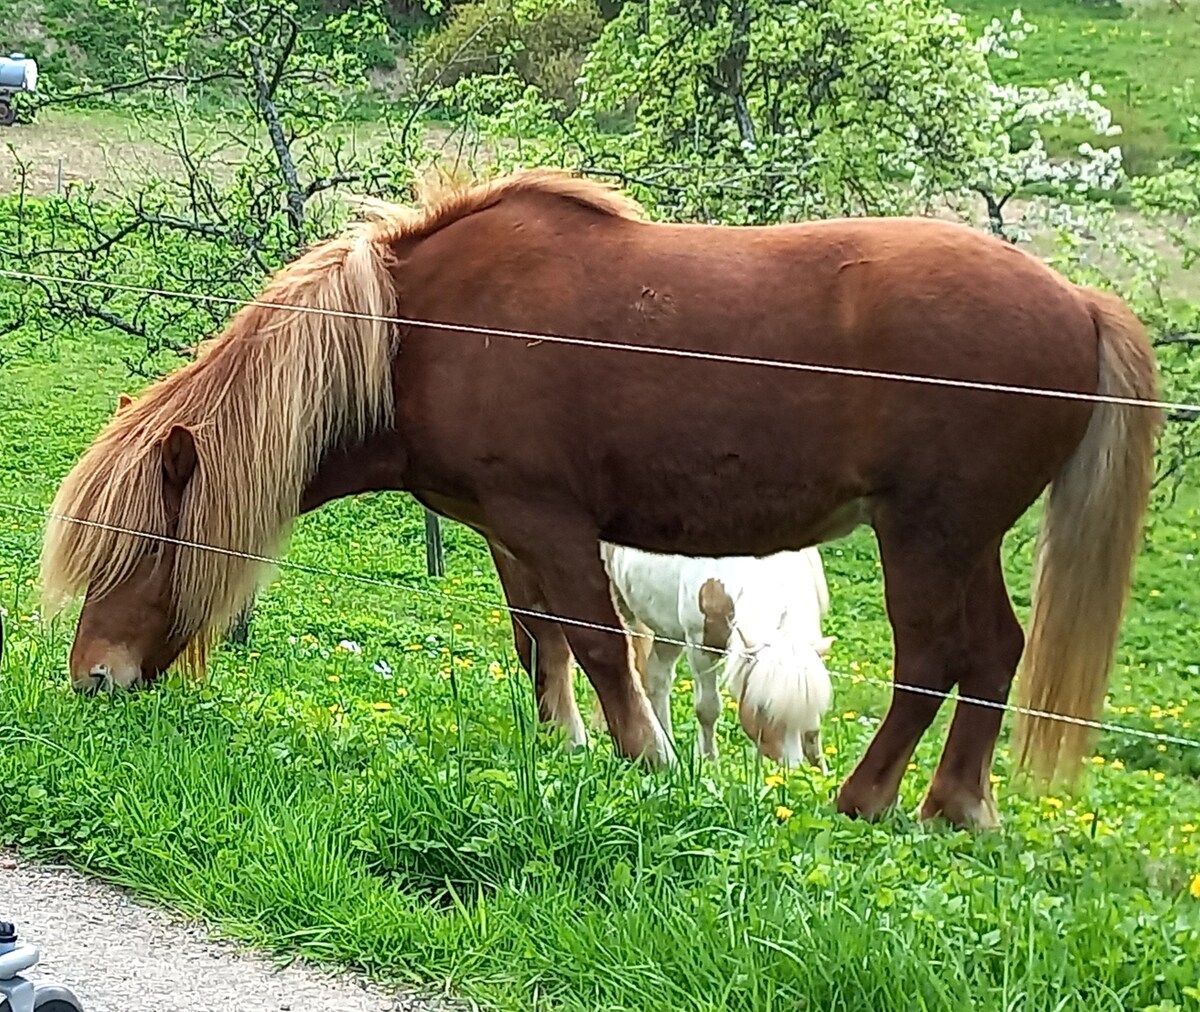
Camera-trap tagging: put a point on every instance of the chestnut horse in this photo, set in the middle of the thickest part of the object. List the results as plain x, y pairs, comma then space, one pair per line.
547, 447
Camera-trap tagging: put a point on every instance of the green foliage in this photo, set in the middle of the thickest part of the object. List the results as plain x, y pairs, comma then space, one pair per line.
393, 808
752, 111
542, 44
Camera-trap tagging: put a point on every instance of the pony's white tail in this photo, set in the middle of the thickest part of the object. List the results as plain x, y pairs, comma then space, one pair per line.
783, 691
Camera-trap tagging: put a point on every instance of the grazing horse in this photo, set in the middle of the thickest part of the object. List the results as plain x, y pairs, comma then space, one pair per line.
761, 616
326, 387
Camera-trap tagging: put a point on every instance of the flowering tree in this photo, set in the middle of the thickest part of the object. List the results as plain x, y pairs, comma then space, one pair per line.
1017, 156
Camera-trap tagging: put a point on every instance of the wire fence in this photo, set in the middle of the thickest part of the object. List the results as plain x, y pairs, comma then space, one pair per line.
534, 338
503, 606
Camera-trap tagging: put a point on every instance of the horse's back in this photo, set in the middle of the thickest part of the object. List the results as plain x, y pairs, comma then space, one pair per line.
786, 450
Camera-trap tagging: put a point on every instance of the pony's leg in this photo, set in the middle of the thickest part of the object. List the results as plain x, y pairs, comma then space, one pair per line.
961, 789
706, 666
810, 742
542, 648
660, 676
925, 584
561, 549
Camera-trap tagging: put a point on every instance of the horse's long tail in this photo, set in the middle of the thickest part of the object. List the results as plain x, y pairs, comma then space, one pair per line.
1090, 534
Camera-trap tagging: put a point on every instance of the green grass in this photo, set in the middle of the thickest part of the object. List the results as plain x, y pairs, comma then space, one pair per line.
1144, 54
413, 823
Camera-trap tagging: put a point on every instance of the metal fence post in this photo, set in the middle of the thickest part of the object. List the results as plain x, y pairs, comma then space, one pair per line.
435, 555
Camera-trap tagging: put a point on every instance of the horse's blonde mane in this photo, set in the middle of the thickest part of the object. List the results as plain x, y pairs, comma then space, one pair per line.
264, 402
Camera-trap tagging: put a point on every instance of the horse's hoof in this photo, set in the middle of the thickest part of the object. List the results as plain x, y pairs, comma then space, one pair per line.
962, 810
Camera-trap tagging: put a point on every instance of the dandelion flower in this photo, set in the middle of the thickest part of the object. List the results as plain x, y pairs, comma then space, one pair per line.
381, 706
1194, 888
1098, 760
849, 715
1188, 827
774, 780
335, 679
1159, 776
783, 813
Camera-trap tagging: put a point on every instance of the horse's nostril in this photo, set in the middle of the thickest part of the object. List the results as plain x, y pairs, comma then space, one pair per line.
101, 679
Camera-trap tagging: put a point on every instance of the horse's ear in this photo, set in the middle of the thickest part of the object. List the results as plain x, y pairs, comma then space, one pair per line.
123, 401
179, 456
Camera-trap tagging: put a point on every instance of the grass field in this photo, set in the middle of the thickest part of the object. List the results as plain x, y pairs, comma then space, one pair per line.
362, 784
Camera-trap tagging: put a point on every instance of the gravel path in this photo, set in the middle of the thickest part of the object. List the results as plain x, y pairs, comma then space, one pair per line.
119, 956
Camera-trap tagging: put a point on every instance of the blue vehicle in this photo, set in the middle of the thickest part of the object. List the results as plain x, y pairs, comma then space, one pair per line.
18, 73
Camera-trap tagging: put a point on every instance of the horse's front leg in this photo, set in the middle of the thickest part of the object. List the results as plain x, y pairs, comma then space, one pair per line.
541, 647
560, 548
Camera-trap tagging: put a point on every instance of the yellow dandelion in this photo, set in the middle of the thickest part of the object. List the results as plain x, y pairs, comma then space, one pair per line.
783, 813
1053, 802
1159, 776
335, 709
326, 600
401, 690
253, 654
1116, 764
458, 627
685, 685
774, 780
1160, 747
831, 750
849, 715
910, 767
1087, 817
1156, 593
335, 679
1188, 827
413, 646
1194, 888
1098, 760
381, 706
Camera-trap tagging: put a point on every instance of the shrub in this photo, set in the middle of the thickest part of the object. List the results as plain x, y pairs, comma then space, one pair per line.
545, 44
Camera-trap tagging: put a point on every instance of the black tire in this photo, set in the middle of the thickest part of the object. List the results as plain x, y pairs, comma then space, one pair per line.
54, 1005
8, 115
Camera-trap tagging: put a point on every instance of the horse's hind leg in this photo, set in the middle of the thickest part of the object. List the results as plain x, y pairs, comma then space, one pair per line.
542, 648
961, 790
925, 584
561, 549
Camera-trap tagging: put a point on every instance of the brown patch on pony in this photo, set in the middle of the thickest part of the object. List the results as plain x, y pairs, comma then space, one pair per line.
717, 608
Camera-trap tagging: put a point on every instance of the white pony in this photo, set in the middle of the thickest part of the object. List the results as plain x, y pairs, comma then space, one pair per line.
761, 615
